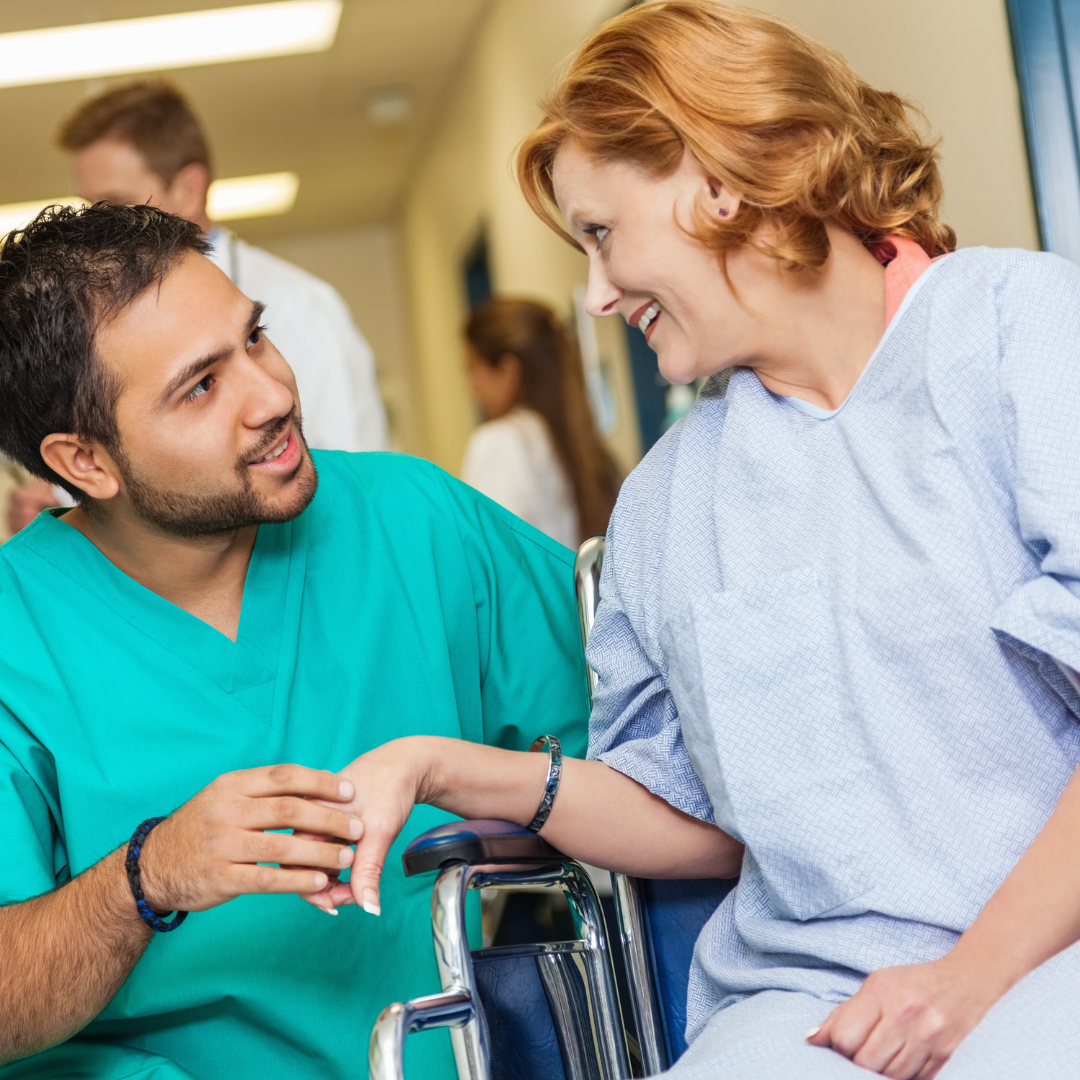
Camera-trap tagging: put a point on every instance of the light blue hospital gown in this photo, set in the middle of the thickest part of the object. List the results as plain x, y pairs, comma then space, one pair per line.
838, 636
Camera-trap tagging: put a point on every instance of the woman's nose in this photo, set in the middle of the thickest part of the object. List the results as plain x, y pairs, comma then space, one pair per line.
602, 295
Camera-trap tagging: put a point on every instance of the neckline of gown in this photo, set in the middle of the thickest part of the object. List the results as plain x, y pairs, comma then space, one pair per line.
907, 269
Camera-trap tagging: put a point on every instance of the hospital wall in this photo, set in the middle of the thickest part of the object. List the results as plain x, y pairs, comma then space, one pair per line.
463, 185
364, 265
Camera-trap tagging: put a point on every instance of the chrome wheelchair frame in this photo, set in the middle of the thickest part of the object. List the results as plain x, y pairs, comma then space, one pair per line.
577, 977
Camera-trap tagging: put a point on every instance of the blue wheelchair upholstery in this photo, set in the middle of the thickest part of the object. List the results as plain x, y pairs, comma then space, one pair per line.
520, 1030
521, 1034
676, 912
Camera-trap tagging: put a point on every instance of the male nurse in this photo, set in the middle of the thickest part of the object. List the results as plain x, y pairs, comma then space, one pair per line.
221, 623
142, 142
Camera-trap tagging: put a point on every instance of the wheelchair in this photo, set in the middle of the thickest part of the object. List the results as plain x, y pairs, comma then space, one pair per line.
551, 1011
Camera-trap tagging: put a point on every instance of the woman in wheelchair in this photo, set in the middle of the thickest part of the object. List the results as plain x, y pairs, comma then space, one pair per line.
840, 605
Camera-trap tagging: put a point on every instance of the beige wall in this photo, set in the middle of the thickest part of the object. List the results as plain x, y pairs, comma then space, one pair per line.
954, 59
463, 183
364, 265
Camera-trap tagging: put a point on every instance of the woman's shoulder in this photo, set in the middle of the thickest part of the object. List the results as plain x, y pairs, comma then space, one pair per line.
980, 274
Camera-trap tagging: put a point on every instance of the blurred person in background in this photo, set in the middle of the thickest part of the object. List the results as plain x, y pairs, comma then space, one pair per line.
142, 143
538, 453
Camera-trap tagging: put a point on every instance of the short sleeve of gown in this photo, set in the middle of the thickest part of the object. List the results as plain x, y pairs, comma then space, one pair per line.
635, 726
1040, 385
532, 668
31, 846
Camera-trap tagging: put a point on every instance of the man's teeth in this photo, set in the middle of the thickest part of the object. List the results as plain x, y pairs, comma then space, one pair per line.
650, 313
275, 454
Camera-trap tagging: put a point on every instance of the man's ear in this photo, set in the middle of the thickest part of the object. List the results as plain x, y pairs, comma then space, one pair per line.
86, 465
188, 190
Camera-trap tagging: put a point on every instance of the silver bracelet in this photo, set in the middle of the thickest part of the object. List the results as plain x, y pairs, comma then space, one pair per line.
551, 786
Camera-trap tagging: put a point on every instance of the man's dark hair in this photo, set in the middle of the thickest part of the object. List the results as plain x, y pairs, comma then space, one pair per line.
151, 115
61, 277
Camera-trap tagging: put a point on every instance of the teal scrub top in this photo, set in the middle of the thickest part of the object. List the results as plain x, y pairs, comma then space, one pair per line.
401, 602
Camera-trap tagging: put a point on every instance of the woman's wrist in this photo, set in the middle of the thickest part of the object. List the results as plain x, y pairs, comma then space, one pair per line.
987, 963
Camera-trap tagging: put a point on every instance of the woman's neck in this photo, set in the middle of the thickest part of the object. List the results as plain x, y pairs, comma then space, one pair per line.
822, 327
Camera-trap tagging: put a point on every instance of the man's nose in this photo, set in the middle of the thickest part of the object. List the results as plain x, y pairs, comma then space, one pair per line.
267, 398
602, 295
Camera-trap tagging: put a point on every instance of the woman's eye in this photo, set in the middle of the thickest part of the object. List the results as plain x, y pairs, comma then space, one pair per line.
256, 335
598, 232
199, 388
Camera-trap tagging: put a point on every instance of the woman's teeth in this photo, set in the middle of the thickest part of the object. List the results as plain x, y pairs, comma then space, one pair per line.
275, 454
650, 313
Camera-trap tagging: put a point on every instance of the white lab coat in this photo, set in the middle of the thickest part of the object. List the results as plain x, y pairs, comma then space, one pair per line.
312, 328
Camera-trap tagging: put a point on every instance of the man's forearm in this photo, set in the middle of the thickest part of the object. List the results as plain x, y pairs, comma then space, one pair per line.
64, 955
600, 816
1035, 913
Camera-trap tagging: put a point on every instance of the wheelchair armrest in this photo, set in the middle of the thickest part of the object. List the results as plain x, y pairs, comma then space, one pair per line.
485, 840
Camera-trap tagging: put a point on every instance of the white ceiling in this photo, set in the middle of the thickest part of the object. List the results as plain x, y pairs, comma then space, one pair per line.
303, 113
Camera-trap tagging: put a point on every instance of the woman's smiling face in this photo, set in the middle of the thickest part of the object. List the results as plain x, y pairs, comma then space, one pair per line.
645, 265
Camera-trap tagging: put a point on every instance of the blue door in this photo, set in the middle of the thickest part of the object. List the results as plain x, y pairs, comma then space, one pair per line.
1046, 43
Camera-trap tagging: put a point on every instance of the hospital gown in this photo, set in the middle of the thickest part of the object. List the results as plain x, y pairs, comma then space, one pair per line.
840, 636
400, 602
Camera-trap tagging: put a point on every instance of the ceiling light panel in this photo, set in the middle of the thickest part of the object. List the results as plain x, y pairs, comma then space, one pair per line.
16, 215
251, 196
156, 43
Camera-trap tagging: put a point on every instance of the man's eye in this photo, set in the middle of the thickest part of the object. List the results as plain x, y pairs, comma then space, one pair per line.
256, 335
199, 388
598, 232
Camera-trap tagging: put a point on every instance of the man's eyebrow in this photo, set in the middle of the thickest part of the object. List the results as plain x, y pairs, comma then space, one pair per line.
189, 371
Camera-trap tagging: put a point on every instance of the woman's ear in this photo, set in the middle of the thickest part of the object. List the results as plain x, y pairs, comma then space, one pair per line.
86, 465
723, 202
511, 370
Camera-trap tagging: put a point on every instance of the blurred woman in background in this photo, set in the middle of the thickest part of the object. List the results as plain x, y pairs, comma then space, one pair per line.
538, 453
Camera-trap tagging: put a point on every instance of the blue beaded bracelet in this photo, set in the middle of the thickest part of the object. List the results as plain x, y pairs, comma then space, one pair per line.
551, 787
131, 864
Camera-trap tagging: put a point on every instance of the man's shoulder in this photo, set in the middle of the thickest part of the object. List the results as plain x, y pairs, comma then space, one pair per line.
409, 490
379, 482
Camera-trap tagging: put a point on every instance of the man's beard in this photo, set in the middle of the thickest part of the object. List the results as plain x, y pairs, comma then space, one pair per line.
193, 515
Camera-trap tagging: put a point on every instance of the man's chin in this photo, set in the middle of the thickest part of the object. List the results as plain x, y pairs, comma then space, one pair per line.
201, 515
293, 496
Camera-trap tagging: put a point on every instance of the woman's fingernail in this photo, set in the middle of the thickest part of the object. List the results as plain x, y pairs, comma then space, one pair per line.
345, 789
345, 856
329, 910
321, 881
371, 902
356, 828
813, 1031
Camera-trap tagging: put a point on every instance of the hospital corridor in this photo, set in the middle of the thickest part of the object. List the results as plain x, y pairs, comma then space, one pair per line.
539, 540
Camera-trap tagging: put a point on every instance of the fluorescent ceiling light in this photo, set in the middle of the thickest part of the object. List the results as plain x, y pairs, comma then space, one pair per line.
228, 200
92, 50
252, 196
16, 215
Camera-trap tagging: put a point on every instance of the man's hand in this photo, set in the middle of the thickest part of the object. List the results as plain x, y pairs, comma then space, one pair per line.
209, 850
27, 501
905, 1022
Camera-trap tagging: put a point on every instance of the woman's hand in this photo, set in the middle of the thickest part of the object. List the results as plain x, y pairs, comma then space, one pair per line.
905, 1022
389, 781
